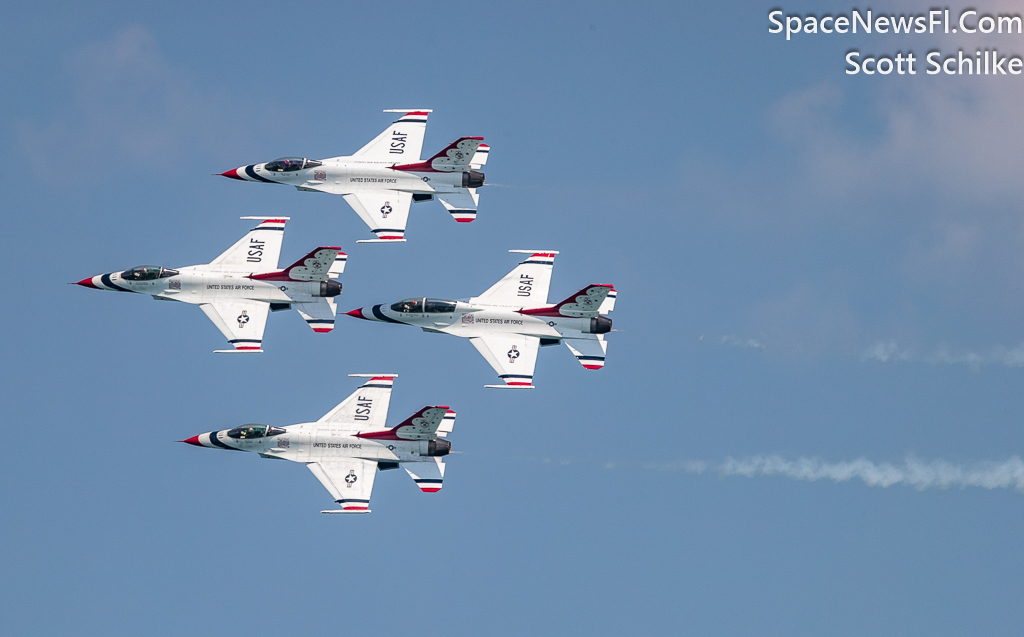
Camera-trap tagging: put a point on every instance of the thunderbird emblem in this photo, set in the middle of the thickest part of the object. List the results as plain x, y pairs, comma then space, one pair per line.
513, 354
243, 318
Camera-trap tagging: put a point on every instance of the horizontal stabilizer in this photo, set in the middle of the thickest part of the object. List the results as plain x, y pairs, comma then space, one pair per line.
590, 352
338, 268
319, 314
428, 475
461, 205
480, 158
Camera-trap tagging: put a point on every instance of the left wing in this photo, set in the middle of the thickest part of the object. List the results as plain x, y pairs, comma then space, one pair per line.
366, 408
513, 356
385, 211
402, 141
242, 321
349, 481
257, 251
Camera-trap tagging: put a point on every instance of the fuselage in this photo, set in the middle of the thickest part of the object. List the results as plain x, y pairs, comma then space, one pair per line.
199, 284
343, 175
469, 319
318, 442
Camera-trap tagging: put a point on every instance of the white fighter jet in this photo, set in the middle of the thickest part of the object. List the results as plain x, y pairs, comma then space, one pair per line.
237, 289
346, 447
385, 177
512, 319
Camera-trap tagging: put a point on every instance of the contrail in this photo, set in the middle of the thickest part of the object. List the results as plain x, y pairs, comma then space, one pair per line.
919, 474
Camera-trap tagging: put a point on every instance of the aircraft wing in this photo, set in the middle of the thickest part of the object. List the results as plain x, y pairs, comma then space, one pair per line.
385, 211
259, 250
526, 285
366, 408
399, 143
349, 481
241, 321
513, 356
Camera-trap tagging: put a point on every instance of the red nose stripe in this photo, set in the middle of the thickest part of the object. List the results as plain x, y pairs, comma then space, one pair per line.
87, 283
194, 440
232, 174
358, 313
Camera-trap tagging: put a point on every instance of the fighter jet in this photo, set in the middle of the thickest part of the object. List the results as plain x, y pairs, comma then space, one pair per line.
346, 447
237, 289
512, 319
385, 177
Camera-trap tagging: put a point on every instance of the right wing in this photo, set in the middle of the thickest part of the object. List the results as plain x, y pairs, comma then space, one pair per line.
242, 321
401, 142
526, 286
513, 356
259, 250
366, 408
349, 481
385, 211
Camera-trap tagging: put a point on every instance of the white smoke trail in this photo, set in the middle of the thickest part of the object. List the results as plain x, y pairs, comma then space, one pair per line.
735, 341
919, 474
890, 352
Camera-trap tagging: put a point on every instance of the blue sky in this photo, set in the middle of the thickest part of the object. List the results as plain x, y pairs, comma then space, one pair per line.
812, 268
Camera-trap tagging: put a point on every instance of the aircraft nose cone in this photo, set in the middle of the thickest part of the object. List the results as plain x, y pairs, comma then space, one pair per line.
358, 313
194, 440
87, 283
231, 174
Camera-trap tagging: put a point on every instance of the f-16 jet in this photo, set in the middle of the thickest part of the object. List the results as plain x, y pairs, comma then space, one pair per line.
384, 178
240, 287
346, 447
509, 322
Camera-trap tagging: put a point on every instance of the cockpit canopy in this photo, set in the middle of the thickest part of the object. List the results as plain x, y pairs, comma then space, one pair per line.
423, 305
248, 432
291, 164
147, 273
